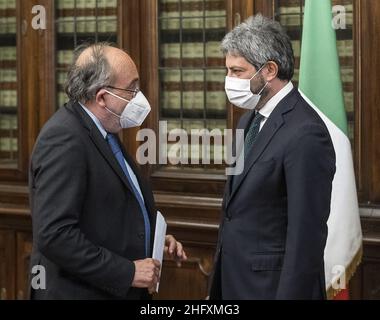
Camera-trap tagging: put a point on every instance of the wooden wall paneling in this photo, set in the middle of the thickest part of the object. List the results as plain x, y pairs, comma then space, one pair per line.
359, 163
370, 270
24, 245
265, 7
237, 12
188, 282
366, 282
7, 262
149, 65
195, 222
45, 68
35, 88
370, 95
129, 35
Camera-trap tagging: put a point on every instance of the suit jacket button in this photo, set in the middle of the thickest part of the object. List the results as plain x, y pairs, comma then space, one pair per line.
228, 219
141, 235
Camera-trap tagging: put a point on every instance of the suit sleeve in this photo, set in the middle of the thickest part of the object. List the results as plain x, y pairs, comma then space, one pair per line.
58, 182
309, 170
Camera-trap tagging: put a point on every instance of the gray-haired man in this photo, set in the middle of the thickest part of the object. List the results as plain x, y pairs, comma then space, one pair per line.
274, 223
93, 214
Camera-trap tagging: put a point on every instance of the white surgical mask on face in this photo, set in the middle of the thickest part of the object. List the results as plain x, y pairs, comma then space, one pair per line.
239, 92
134, 112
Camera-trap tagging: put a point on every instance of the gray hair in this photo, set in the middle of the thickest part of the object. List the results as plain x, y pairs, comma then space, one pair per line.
259, 40
84, 80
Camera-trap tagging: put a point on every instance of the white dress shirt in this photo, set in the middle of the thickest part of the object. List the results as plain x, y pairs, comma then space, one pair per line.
104, 134
273, 102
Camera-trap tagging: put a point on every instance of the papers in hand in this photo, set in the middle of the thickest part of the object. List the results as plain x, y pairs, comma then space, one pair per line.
159, 241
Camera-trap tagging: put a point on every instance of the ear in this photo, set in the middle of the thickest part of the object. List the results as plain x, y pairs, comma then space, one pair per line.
271, 71
100, 98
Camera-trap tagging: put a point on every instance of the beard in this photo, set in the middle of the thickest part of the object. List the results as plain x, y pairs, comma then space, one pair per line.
259, 85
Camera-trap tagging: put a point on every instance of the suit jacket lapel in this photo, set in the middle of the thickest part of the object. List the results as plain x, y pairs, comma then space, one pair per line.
99, 142
244, 124
272, 125
149, 201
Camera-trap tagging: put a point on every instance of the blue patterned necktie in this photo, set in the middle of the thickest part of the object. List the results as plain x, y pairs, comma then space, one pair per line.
115, 147
252, 134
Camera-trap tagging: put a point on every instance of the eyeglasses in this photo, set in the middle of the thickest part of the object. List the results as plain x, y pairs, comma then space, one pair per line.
134, 92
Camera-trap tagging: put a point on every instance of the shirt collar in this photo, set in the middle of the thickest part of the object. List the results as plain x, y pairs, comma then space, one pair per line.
96, 120
275, 100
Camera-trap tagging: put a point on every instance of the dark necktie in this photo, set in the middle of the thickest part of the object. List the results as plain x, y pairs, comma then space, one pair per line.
250, 139
115, 147
252, 134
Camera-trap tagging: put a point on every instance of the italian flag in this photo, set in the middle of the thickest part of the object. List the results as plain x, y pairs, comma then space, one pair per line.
321, 86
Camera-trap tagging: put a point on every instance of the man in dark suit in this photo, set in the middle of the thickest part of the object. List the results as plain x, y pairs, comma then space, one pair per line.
93, 214
274, 222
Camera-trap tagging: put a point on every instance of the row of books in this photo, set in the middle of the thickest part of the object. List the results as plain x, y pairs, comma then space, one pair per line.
8, 144
8, 75
290, 12
61, 98
295, 20
64, 57
194, 23
8, 78
8, 25
7, 5
193, 151
8, 53
85, 4
187, 125
191, 50
8, 122
345, 49
90, 24
215, 152
193, 101
8, 98
194, 75
191, 53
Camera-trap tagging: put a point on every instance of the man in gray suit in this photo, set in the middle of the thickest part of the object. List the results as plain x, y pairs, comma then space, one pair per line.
274, 222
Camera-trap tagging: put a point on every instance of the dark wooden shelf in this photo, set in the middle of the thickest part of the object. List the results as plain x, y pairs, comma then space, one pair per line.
211, 114
8, 40
66, 41
191, 35
8, 110
295, 33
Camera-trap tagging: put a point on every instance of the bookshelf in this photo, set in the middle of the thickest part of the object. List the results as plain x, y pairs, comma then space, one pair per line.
191, 70
290, 14
77, 22
8, 85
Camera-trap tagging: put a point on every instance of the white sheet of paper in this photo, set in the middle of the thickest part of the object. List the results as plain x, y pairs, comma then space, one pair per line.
159, 241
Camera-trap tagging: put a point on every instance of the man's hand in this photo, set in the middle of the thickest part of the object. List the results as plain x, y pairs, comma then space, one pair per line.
147, 273
174, 250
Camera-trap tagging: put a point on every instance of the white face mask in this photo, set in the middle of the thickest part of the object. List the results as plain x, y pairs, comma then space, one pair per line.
239, 92
134, 112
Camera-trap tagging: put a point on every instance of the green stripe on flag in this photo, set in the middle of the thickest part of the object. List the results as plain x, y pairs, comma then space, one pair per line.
320, 77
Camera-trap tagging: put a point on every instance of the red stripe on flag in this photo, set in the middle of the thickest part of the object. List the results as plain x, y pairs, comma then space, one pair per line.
343, 295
